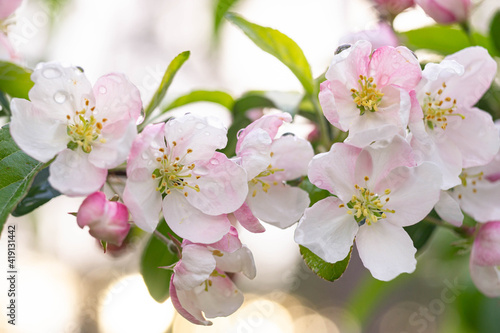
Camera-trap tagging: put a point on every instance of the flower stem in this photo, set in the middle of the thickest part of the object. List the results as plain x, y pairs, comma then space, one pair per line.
466, 28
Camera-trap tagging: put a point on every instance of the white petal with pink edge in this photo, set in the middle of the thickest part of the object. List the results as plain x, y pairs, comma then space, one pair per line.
195, 266
292, 154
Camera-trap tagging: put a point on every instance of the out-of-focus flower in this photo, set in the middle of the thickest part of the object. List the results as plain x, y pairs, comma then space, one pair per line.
368, 94
446, 11
107, 220
7, 7
446, 127
200, 286
175, 167
89, 129
382, 35
485, 259
379, 190
392, 7
269, 162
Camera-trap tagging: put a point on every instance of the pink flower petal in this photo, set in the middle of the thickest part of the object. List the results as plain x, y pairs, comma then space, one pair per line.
247, 220
449, 210
486, 248
238, 261
486, 279
185, 303
194, 268
395, 66
229, 243
292, 154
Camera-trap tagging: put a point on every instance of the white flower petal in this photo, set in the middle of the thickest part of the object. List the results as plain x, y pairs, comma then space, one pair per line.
72, 174
37, 135
449, 210
194, 268
222, 298
190, 223
386, 250
255, 152
142, 200
282, 205
292, 154
327, 230
239, 261
486, 279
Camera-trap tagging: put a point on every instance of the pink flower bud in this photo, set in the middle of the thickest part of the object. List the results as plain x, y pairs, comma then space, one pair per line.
485, 259
446, 11
107, 220
393, 7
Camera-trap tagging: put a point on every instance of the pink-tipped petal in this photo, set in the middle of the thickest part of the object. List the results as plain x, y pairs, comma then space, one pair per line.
254, 154
292, 154
229, 243
486, 248
194, 268
395, 66
185, 303
247, 220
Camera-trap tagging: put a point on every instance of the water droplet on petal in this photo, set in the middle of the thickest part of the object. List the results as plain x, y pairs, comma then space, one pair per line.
200, 126
51, 73
214, 161
60, 97
145, 156
288, 134
318, 183
239, 133
103, 90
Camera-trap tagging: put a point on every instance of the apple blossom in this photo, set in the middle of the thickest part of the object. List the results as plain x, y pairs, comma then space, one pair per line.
7, 7
89, 130
367, 94
269, 162
200, 284
174, 167
393, 7
107, 220
485, 259
446, 11
446, 128
379, 190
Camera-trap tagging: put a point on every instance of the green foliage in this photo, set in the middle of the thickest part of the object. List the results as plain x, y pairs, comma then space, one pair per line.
444, 39
15, 80
323, 269
218, 97
221, 8
420, 233
279, 45
17, 170
158, 254
315, 193
39, 194
495, 31
172, 69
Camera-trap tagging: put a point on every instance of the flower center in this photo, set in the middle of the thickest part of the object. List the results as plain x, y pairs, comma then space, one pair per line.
368, 206
465, 178
172, 173
437, 108
83, 131
265, 185
208, 282
369, 97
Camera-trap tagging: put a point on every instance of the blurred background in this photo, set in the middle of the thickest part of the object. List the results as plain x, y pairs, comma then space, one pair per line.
65, 281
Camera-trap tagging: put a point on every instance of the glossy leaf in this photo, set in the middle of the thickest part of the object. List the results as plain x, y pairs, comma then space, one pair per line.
495, 31
15, 80
323, 269
444, 39
158, 254
420, 233
218, 97
279, 45
39, 194
160, 93
16, 174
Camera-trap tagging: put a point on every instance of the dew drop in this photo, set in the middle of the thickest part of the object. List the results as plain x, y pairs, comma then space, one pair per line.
318, 183
288, 134
200, 126
103, 90
239, 133
145, 156
51, 73
60, 97
201, 170
207, 133
214, 161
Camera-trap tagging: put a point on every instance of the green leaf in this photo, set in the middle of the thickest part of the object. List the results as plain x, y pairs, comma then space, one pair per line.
158, 254
420, 233
315, 193
15, 80
16, 173
323, 269
218, 97
39, 194
221, 8
279, 45
495, 31
444, 39
172, 69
